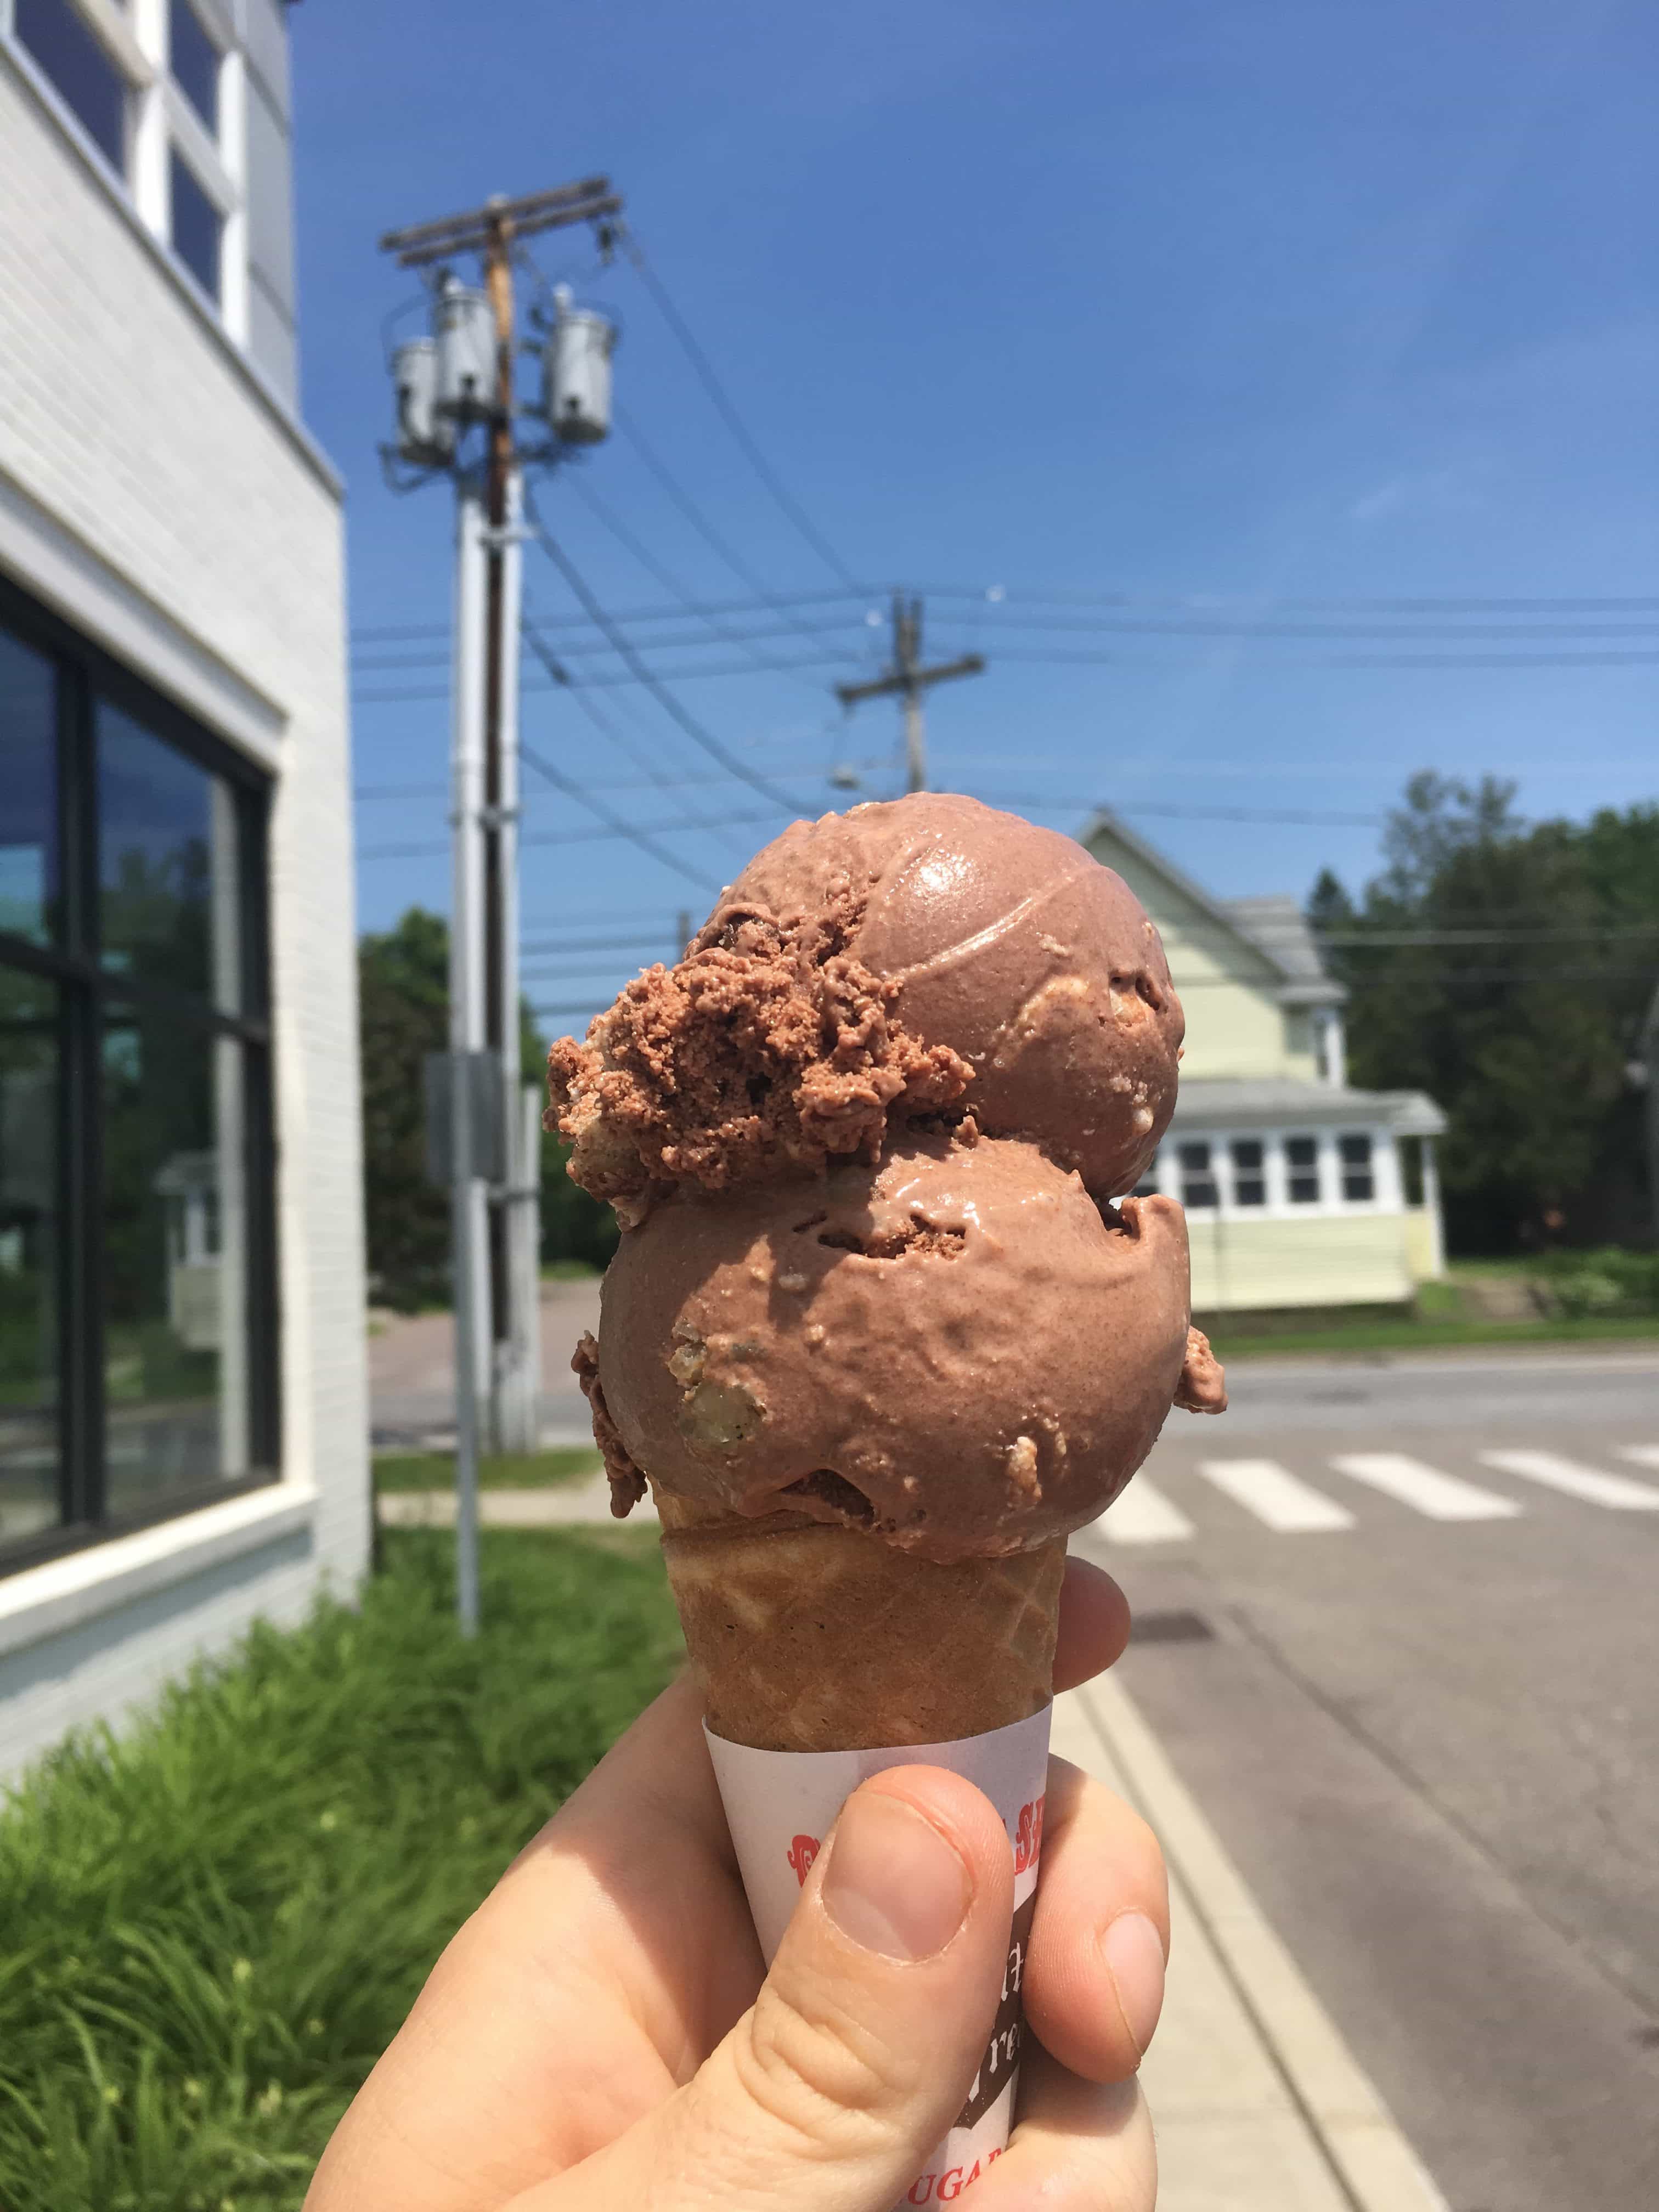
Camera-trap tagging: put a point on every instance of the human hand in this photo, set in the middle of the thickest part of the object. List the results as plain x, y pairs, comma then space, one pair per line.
593, 2039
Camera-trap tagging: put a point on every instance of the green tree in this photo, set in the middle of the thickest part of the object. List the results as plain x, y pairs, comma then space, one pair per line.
1508, 968
404, 984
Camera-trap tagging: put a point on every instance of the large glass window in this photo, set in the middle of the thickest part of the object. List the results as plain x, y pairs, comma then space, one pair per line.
57, 36
175, 1307
137, 1362
198, 227
28, 792
167, 864
195, 61
30, 1237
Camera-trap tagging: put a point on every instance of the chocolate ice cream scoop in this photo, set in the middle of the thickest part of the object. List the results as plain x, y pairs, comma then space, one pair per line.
956, 1349
927, 958
1012, 946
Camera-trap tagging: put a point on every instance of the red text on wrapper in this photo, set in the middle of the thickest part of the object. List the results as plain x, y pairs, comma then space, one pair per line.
946, 2188
1027, 1835
802, 1852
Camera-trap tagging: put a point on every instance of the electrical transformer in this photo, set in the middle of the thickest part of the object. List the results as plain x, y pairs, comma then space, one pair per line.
576, 373
465, 327
424, 437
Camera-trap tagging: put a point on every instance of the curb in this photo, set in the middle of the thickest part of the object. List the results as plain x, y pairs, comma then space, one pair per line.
1374, 2167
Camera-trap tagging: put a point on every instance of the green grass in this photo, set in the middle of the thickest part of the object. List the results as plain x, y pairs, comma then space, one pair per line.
496, 1471
1429, 1334
210, 1928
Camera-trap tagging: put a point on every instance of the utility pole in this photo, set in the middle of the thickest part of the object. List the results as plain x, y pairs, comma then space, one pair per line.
907, 679
461, 378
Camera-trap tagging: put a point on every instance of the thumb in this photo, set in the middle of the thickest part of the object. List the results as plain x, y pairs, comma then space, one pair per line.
861, 2047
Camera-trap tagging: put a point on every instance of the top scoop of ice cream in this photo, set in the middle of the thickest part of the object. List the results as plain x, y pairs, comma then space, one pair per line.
957, 1350
928, 955
1014, 947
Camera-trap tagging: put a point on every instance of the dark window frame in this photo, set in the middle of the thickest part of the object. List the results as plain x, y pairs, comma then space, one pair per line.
180, 171
86, 675
1357, 1158
1300, 1173
182, 78
119, 163
1249, 1177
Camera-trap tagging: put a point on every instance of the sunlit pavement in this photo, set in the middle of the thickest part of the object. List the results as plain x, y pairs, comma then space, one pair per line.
1398, 1637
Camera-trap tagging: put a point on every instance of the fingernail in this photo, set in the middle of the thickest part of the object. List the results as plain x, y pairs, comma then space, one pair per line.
1134, 1958
894, 1884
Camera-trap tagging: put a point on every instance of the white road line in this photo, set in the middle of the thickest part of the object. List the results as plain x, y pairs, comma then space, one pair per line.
1277, 1498
1617, 1490
1424, 1489
1144, 1516
1644, 1455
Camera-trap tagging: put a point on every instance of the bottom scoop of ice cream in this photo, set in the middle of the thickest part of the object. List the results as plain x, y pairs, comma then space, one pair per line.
956, 1349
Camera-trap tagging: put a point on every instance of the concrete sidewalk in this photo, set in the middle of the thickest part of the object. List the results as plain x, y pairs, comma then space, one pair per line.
1259, 2105
566, 1506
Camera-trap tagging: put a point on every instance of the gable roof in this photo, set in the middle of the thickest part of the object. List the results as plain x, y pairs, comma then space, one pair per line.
1270, 926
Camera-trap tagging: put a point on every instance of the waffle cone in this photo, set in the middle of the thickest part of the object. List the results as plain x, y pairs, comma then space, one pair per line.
805, 1638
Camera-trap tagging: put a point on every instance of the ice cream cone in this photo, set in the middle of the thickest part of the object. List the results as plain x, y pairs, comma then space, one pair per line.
807, 1637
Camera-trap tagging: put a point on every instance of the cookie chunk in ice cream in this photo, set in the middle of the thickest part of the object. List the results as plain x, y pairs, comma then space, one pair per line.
957, 1349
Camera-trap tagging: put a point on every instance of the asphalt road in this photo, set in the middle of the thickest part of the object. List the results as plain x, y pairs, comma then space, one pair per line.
1423, 1717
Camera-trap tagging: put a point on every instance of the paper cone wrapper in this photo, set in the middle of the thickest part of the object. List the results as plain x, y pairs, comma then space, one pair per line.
825, 1656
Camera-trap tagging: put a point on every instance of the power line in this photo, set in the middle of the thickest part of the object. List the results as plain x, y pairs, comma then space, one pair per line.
733, 421
642, 674
427, 850
613, 821
669, 581
536, 948
1193, 626
1217, 602
779, 602
601, 722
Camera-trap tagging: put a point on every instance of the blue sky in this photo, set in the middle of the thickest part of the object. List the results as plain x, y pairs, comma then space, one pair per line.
1240, 300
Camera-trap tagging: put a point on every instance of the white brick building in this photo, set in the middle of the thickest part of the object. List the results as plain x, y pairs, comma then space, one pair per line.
182, 1417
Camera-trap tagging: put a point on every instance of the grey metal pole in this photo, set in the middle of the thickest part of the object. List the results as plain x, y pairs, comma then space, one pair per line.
915, 743
469, 1225
516, 1425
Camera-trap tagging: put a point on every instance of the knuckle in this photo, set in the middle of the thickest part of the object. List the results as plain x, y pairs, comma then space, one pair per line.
820, 2072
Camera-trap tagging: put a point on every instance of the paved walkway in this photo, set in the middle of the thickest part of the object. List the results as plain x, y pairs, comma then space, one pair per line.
1257, 2104
566, 1506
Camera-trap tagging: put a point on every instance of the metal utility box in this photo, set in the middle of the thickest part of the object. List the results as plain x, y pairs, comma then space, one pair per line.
423, 434
464, 325
576, 374
484, 1113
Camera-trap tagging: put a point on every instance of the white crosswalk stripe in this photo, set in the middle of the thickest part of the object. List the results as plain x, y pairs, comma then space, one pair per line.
1143, 1515
1278, 1499
1290, 1506
1620, 1492
1424, 1489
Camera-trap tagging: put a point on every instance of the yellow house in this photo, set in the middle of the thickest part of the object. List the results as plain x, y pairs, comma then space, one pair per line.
1298, 1190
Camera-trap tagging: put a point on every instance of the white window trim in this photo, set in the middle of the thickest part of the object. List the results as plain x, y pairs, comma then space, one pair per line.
1388, 1190
142, 205
64, 1594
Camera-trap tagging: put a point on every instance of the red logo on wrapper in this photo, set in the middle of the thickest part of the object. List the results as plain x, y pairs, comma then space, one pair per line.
1027, 1835
802, 1852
